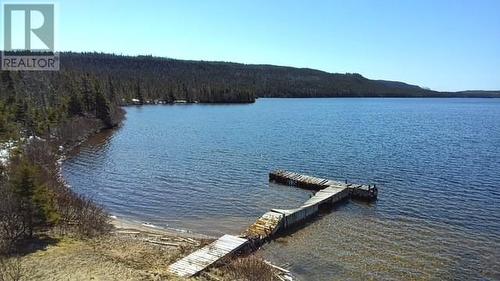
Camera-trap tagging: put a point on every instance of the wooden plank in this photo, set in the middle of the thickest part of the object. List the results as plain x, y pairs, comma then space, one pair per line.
206, 256
323, 182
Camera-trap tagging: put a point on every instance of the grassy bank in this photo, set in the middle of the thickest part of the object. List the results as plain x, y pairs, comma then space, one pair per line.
123, 254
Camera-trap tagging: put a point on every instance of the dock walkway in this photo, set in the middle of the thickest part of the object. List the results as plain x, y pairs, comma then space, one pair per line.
206, 256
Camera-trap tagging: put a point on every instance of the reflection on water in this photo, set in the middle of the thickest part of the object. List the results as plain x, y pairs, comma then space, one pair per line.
204, 168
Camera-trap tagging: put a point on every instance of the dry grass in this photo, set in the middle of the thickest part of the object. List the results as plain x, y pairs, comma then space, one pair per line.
13, 270
140, 255
251, 268
107, 258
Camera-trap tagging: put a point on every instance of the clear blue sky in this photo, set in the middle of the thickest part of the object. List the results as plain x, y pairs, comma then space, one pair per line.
444, 45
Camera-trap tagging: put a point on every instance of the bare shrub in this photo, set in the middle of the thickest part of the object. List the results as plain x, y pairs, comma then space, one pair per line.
12, 227
117, 115
76, 129
249, 269
81, 215
12, 269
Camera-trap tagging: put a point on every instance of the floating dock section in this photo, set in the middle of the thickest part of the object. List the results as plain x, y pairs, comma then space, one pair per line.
328, 192
359, 191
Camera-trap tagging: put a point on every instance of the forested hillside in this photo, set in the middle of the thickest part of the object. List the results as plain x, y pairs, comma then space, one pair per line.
170, 79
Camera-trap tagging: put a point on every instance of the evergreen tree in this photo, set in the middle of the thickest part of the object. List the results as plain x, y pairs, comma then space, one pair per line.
74, 105
20, 111
170, 97
10, 91
102, 107
45, 203
4, 126
88, 98
138, 93
36, 202
112, 91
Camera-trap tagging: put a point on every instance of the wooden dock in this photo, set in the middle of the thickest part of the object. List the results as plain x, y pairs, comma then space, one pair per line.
206, 256
328, 192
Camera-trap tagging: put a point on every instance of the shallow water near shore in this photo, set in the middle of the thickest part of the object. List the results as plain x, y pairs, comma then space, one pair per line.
204, 168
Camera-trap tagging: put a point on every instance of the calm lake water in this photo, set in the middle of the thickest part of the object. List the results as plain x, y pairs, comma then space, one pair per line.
204, 168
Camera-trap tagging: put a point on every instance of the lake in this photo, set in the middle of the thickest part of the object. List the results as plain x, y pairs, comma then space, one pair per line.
204, 168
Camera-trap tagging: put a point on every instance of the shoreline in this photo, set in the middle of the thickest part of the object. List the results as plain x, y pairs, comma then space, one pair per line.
122, 225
